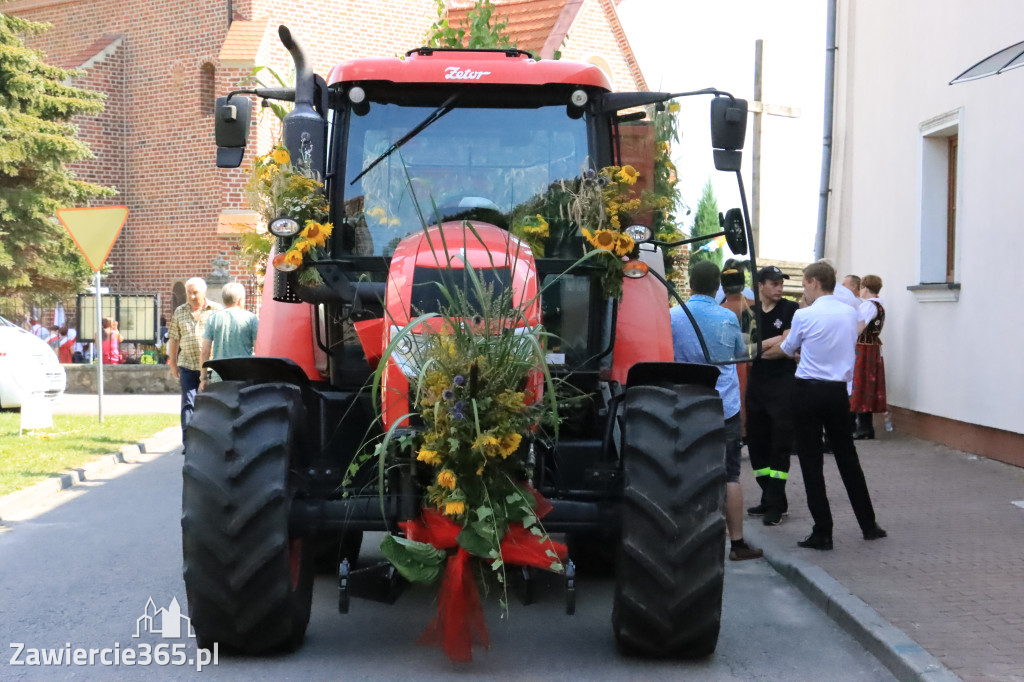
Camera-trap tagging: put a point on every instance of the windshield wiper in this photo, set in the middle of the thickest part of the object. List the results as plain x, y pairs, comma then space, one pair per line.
434, 115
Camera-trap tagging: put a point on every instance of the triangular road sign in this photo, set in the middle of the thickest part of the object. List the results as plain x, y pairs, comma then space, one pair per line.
94, 230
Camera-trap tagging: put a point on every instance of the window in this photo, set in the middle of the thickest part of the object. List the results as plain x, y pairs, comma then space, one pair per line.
207, 89
938, 209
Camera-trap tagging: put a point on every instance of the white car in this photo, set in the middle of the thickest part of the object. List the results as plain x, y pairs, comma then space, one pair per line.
27, 365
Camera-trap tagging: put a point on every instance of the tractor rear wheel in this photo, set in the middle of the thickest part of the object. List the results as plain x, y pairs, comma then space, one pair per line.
668, 592
249, 582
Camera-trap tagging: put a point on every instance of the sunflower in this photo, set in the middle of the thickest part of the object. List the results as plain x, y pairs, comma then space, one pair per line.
487, 444
316, 233
509, 443
454, 508
601, 239
625, 245
446, 479
429, 457
302, 245
281, 156
293, 257
628, 175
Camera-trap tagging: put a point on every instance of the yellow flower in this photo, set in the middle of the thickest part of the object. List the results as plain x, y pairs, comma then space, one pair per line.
429, 457
615, 222
673, 107
602, 239
511, 400
510, 443
488, 444
446, 479
281, 156
625, 245
302, 245
454, 508
293, 257
480, 469
628, 175
537, 228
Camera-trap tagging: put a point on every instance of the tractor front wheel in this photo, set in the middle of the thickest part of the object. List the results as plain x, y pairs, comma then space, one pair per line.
671, 563
249, 582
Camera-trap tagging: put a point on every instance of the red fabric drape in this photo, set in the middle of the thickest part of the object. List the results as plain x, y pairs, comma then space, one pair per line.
459, 621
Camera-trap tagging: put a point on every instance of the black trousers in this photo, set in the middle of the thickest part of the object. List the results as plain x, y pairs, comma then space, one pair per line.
769, 423
825, 404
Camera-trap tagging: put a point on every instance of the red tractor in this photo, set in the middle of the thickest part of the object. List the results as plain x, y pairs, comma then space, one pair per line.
637, 473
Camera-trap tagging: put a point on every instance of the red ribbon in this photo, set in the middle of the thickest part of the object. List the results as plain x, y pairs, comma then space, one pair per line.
459, 621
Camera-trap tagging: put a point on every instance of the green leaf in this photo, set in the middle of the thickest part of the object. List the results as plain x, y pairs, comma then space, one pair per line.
471, 541
418, 562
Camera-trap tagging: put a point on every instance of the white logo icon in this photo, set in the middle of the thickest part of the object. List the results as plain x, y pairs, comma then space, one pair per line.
778, 324
164, 622
455, 73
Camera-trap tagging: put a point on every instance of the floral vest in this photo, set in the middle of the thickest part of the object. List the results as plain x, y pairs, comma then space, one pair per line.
874, 328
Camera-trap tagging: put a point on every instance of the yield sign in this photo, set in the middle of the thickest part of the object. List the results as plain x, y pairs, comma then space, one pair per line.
94, 230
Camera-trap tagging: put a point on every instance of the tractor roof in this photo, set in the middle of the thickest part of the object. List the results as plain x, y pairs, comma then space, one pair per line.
501, 67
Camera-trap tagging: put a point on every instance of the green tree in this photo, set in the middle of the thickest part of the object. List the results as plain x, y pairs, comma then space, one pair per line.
477, 32
706, 222
38, 261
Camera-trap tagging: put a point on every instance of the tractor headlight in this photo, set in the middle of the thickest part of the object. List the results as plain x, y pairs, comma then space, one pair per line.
284, 227
639, 233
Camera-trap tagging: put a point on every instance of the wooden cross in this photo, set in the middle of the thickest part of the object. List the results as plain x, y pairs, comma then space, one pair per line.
758, 107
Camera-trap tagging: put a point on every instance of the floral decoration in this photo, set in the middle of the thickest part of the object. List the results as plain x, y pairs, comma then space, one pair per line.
279, 187
478, 390
602, 205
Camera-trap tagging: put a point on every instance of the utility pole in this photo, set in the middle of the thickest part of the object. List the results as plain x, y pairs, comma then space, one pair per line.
759, 108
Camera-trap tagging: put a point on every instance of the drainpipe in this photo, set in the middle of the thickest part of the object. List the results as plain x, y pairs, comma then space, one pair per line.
826, 146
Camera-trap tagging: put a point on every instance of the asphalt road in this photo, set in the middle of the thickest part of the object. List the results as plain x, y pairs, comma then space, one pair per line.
79, 576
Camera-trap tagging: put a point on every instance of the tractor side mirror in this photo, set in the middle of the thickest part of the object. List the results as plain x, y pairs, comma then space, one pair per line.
231, 129
728, 131
735, 232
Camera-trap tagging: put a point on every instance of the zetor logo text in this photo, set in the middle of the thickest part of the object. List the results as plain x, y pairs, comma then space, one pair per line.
169, 623
454, 73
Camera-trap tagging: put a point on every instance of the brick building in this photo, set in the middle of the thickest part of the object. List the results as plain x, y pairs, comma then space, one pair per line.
163, 63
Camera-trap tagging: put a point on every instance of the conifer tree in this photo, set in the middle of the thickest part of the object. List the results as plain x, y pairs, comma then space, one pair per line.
706, 222
38, 261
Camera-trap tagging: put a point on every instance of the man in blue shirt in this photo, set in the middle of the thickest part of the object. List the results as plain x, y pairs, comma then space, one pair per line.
721, 332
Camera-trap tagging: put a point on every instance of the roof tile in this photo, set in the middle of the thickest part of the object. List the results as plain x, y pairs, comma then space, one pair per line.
243, 40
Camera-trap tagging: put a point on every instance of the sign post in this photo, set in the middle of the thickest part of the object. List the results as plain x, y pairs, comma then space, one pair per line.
95, 230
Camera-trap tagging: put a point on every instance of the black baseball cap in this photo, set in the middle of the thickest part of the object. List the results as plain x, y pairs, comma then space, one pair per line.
770, 272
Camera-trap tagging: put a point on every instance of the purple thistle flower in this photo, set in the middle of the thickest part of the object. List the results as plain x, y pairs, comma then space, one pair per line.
447, 395
459, 380
460, 406
457, 414
590, 173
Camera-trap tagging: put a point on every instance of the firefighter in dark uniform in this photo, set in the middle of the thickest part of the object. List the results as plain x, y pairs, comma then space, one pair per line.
769, 417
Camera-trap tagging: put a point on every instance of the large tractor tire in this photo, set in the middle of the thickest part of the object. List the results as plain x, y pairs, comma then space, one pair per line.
249, 582
671, 564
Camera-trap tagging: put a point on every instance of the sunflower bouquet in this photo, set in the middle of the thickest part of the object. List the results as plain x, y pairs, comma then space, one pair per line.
477, 374
279, 187
602, 205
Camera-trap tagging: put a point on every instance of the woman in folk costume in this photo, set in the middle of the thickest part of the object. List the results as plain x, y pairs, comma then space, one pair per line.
869, 373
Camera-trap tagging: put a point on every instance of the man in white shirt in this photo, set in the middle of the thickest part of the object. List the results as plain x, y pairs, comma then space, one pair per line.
825, 334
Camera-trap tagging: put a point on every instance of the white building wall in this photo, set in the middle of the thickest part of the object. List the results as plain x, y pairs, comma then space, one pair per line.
962, 359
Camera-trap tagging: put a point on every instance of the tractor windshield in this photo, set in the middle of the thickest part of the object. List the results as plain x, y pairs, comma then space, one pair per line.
488, 164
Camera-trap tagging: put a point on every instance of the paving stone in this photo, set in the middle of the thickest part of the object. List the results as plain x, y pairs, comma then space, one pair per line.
949, 574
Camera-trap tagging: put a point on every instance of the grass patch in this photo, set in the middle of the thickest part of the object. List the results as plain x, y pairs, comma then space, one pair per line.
73, 441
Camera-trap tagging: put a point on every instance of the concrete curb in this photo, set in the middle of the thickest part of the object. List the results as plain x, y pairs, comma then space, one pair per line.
904, 657
13, 504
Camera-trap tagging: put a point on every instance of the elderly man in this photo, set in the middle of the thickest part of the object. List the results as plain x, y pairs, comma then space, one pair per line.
229, 333
184, 345
825, 333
